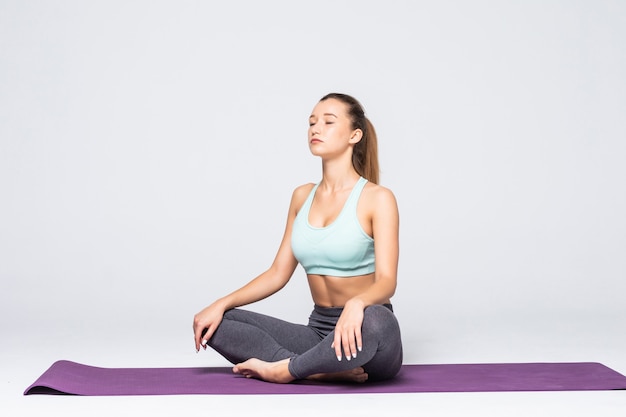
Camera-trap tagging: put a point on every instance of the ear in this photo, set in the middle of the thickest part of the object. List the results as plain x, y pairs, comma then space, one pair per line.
356, 136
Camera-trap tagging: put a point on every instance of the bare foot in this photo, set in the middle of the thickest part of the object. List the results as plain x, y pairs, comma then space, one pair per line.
277, 372
352, 375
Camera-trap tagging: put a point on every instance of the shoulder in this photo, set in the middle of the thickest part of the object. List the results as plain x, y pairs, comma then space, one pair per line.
377, 194
299, 195
380, 203
301, 192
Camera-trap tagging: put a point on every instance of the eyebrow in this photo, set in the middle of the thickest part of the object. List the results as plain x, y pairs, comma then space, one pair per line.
325, 114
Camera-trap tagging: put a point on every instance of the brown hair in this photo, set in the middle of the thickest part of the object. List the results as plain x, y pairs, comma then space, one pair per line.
365, 152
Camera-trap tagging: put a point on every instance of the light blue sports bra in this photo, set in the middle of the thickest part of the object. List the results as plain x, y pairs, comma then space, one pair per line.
341, 249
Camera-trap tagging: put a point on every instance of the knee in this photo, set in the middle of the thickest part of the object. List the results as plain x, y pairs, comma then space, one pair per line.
379, 319
231, 314
236, 314
378, 313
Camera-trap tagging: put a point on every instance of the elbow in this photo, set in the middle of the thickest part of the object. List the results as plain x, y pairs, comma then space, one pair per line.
281, 275
389, 284
392, 289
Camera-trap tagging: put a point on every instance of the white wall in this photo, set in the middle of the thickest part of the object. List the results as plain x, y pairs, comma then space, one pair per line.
148, 150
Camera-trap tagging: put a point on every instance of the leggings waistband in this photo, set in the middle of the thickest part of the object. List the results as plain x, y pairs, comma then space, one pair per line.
335, 312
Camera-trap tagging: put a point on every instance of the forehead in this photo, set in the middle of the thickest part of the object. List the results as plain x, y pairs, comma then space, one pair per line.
330, 106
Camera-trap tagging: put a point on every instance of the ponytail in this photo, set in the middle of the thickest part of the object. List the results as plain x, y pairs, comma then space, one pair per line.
365, 152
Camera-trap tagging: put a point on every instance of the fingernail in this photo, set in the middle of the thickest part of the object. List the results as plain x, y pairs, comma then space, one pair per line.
360, 348
204, 343
348, 357
354, 355
339, 358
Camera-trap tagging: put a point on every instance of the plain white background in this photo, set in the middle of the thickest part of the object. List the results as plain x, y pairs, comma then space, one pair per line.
148, 150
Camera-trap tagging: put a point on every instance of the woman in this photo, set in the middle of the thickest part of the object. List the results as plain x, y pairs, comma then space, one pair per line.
344, 232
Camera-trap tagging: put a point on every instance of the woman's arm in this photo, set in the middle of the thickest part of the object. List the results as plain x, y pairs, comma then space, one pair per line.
264, 285
385, 230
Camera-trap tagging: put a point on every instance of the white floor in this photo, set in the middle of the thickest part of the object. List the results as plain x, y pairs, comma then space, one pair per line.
26, 353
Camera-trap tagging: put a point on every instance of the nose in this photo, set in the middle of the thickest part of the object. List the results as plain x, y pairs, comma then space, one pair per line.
314, 128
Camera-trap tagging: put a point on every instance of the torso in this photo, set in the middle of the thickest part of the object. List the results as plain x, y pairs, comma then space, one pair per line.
328, 291
332, 291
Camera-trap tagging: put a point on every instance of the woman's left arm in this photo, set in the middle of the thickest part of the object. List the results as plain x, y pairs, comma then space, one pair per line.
385, 230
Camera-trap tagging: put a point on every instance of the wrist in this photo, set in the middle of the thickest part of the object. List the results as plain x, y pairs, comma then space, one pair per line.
223, 304
356, 302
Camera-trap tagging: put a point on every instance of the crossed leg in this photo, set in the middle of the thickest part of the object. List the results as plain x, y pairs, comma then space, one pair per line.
381, 356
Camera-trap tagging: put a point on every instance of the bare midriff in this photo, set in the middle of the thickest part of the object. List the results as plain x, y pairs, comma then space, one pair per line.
329, 291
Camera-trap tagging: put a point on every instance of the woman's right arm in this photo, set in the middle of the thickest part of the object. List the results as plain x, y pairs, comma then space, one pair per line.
264, 285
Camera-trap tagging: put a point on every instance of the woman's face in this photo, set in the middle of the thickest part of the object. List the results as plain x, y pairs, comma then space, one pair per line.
330, 128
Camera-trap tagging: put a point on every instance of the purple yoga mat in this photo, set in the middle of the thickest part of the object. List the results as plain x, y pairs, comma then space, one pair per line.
65, 377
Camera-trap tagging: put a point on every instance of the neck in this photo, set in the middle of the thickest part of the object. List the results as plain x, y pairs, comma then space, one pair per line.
337, 176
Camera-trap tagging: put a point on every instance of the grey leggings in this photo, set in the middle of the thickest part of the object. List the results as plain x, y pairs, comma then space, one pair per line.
244, 334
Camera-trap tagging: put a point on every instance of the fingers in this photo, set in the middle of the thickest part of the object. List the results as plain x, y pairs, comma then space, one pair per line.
337, 345
201, 336
358, 340
205, 323
197, 337
347, 343
205, 336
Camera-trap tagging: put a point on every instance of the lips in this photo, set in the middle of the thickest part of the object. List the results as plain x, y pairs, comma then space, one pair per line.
316, 140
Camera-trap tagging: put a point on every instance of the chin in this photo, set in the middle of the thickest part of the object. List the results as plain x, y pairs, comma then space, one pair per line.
314, 151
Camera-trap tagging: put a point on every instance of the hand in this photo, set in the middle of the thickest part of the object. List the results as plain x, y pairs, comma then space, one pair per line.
205, 323
348, 330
